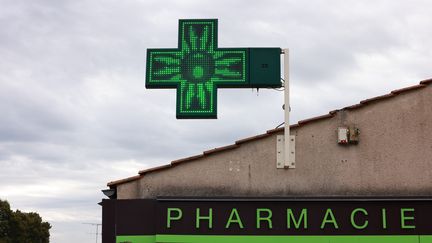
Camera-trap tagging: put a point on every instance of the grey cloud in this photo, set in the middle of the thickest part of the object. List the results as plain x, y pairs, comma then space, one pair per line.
74, 113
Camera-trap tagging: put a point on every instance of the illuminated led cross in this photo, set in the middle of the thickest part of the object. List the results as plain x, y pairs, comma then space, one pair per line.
197, 68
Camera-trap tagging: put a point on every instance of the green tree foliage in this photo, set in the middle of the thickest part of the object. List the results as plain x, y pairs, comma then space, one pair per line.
20, 227
5, 217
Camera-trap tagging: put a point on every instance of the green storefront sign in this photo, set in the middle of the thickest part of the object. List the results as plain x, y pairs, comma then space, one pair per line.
268, 220
197, 68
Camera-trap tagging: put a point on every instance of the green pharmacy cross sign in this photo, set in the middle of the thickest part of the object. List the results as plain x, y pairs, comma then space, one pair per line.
198, 67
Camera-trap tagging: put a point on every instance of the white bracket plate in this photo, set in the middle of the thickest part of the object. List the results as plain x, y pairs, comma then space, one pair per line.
280, 153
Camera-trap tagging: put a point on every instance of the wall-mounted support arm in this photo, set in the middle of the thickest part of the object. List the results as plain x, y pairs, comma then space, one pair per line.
286, 144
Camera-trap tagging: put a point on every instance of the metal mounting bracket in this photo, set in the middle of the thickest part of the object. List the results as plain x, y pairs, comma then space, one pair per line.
280, 153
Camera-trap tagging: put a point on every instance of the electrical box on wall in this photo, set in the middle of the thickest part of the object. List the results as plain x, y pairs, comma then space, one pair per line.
348, 135
354, 134
343, 133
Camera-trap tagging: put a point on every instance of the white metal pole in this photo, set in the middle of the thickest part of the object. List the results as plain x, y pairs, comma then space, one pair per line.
287, 109
97, 232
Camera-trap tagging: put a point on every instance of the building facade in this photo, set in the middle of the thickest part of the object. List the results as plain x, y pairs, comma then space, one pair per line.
391, 157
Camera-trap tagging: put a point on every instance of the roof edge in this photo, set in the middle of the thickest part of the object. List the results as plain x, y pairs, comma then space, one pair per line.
122, 181
142, 172
426, 81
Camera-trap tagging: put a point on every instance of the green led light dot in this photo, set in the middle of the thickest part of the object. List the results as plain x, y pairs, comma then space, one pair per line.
198, 72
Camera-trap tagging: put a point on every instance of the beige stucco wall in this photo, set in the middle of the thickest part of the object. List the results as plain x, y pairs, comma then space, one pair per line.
394, 157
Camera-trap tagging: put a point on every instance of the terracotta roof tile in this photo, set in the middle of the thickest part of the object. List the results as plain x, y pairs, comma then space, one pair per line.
224, 148
317, 118
142, 172
352, 107
426, 81
187, 159
377, 98
281, 129
245, 140
238, 143
275, 130
122, 181
414, 87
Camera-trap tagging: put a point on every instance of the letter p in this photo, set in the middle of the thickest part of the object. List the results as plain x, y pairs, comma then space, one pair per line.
172, 215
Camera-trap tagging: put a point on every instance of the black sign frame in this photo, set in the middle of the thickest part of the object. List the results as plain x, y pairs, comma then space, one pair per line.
267, 216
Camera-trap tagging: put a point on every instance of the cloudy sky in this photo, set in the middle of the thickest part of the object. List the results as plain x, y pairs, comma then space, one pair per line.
75, 113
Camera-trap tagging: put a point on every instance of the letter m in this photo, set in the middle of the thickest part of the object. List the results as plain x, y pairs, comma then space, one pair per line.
297, 222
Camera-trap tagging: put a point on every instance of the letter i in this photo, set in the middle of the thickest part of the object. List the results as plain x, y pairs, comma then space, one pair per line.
384, 218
